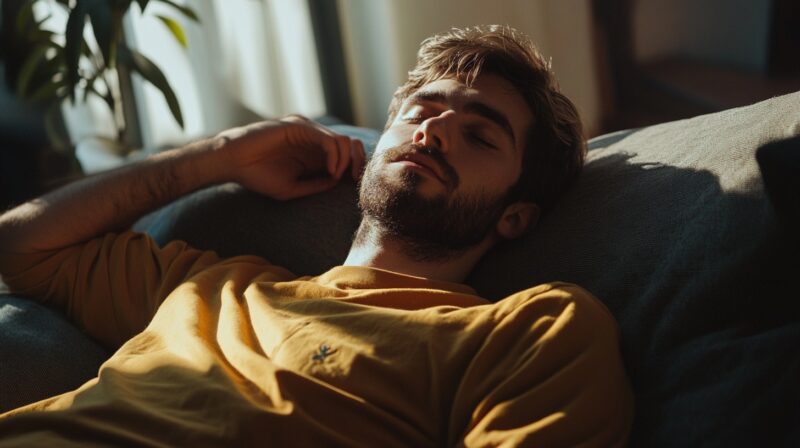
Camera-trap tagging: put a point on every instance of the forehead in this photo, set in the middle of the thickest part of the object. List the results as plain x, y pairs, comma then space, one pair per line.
489, 89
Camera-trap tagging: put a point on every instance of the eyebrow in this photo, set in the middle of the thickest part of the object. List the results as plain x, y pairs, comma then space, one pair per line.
472, 107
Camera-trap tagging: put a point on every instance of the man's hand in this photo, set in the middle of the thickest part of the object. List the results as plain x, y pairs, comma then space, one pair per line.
291, 157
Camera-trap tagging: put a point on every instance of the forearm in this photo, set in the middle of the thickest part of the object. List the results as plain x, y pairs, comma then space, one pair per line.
112, 200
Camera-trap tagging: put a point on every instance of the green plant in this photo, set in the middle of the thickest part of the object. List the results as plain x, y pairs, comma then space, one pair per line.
61, 65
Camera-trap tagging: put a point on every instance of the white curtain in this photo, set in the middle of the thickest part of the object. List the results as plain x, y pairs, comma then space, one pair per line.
246, 59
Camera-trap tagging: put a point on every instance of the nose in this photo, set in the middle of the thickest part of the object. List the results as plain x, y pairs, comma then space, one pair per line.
436, 131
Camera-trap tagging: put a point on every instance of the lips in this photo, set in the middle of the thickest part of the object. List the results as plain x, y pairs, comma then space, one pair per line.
424, 161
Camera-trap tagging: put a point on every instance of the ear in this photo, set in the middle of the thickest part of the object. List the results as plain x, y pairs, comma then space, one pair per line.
517, 218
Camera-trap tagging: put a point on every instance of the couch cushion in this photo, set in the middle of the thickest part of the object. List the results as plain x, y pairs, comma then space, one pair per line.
42, 354
779, 163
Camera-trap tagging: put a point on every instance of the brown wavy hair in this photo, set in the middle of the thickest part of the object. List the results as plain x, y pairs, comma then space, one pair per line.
555, 147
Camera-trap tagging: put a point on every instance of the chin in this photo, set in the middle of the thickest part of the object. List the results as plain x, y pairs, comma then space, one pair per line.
427, 190
421, 184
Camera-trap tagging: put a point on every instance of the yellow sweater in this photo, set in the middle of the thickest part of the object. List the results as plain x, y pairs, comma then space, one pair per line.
239, 352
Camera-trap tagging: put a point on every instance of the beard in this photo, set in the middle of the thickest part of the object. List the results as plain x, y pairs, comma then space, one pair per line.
432, 228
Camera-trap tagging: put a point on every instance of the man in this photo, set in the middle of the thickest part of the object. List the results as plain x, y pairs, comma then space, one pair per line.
388, 349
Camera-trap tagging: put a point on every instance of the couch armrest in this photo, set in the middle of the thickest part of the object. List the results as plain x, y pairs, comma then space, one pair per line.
42, 353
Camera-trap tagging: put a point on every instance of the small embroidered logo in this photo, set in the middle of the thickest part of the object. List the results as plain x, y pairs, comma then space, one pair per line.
324, 351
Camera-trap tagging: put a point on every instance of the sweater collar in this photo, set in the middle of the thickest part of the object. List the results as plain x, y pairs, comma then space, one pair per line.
364, 277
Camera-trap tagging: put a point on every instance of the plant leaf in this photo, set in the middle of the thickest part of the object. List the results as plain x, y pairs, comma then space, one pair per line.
50, 67
42, 20
74, 43
28, 68
47, 92
52, 116
108, 98
99, 12
24, 17
90, 88
176, 30
142, 4
38, 70
86, 50
90, 85
185, 10
41, 36
153, 74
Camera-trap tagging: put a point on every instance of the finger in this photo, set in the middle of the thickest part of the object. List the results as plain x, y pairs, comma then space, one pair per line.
331, 148
363, 159
356, 158
344, 155
318, 135
354, 155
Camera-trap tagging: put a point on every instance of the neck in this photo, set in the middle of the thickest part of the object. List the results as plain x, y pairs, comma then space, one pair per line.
374, 247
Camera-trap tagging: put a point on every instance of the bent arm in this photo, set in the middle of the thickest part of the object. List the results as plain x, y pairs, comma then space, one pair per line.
283, 159
111, 200
550, 374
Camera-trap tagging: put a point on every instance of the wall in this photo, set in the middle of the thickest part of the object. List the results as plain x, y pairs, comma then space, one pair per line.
381, 38
731, 32
245, 60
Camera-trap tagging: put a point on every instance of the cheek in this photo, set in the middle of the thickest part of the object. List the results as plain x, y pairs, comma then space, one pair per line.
391, 138
478, 172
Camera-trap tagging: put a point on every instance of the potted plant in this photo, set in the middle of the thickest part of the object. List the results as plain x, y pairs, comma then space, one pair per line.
71, 65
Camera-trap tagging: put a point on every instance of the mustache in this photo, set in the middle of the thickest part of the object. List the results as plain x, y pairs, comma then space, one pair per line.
450, 175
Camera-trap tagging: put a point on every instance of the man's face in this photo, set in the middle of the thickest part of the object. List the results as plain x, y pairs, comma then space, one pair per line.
441, 172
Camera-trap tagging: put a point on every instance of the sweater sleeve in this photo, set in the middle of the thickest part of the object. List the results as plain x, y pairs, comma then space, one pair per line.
550, 374
110, 286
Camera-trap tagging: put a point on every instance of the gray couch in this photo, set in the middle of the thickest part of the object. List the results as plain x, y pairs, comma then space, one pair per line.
669, 225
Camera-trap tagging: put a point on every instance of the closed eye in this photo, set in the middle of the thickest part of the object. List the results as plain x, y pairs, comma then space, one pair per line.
415, 119
475, 137
415, 114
